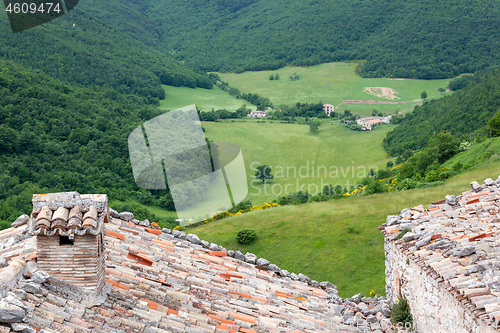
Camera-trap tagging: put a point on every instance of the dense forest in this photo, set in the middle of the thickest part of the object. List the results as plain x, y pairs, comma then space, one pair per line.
464, 114
56, 136
414, 39
81, 48
131, 45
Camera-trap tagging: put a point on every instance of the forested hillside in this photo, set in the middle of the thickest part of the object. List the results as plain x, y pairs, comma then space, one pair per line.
466, 111
56, 136
416, 39
130, 45
83, 48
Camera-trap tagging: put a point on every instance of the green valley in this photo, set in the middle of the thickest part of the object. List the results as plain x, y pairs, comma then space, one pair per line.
301, 161
336, 83
73, 90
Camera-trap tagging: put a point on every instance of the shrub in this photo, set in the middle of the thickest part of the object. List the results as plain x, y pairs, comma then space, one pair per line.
408, 184
400, 312
246, 236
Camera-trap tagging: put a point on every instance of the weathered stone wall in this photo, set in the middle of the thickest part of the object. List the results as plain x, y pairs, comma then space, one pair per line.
433, 307
81, 264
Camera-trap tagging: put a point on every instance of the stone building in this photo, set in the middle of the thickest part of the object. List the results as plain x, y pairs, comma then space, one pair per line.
69, 230
446, 261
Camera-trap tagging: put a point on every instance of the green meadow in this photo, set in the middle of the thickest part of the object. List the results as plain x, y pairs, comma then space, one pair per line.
336, 241
205, 99
332, 83
299, 159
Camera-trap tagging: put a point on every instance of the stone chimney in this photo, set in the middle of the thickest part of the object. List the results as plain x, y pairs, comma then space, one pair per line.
70, 236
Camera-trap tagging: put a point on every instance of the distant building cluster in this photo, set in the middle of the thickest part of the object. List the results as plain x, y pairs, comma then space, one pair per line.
257, 114
369, 122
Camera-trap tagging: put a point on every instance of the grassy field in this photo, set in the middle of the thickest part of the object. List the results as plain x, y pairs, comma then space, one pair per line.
336, 241
332, 83
205, 99
300, 160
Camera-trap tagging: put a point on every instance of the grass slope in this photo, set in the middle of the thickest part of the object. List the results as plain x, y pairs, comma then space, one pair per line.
343, 156
332, 83
205, 99
337, 241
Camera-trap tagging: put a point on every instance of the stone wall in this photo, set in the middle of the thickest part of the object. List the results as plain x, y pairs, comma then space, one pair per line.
433, 307
81, 264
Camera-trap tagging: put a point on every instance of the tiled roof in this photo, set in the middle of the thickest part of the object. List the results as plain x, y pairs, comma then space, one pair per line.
67, 214
65, 221
456, 241
167, 282
162, 281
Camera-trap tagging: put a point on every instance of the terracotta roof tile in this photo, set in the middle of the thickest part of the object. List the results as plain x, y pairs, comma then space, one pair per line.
218, 253
115, 234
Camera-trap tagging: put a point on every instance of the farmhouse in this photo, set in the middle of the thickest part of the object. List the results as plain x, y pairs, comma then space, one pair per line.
368, 122
257, 114
447, 265
328, 108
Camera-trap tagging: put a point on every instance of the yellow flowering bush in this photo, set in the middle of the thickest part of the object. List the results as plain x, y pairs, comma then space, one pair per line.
218, 215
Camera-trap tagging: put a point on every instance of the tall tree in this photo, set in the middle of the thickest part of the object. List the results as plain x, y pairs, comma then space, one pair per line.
263, 173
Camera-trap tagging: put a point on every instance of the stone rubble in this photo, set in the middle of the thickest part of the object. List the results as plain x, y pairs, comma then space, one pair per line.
21, 220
